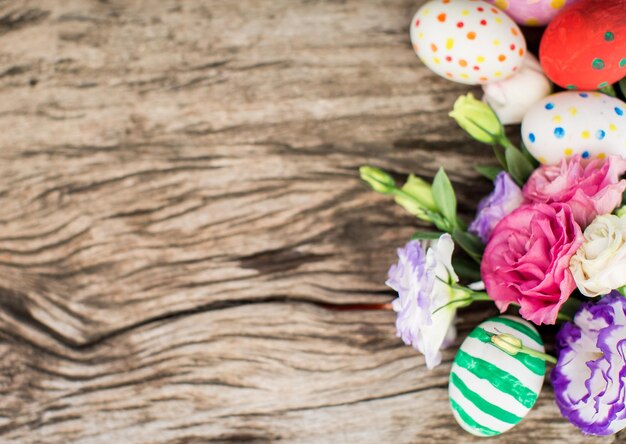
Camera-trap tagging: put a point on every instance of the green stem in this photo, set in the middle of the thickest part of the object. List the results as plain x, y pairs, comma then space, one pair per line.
546, 357
472, 296
499, 153
480, 296
452, 302
506, 143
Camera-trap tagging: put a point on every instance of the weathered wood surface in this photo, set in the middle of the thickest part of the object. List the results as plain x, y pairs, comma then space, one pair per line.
178, 193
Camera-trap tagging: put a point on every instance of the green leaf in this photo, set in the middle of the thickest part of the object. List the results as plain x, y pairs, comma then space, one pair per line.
529, 156
445, 197
622, 86
490, 172
622, 290
608, 90
426, 235
470, 243
466, 269
518, 165
499, 153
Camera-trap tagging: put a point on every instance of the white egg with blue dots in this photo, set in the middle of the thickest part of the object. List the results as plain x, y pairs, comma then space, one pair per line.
561, 125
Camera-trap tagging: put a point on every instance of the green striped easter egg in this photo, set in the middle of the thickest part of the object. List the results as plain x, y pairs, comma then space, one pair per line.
490, 390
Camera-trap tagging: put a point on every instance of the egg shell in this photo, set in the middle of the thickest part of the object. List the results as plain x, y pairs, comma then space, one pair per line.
490, 390
532, 12
591, 124
467, 41
584, 47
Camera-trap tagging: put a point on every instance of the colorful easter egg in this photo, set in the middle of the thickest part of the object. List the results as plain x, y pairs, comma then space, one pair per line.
490, 390
532, 12
584, 47
467, 41
591, 124
513, 97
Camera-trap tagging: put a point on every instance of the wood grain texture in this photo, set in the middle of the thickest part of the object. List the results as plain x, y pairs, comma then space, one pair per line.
178, 195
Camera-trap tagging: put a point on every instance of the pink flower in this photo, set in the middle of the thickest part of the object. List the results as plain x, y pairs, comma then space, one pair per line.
589, 187
526, 261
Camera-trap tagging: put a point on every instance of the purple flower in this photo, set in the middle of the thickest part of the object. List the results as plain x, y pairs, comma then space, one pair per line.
505, 198
422, 280
589, 379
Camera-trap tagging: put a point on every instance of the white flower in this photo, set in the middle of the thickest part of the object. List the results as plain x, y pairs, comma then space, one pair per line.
511, 98
422, 280
599, 265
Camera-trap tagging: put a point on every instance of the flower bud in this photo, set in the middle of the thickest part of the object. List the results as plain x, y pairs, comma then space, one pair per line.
421, 197
621, 211
379, 180
507, 343
477, 119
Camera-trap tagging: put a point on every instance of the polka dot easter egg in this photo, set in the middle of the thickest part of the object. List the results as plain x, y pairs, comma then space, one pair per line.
532, 12
584, 47
467, 41
490, 390
591, 124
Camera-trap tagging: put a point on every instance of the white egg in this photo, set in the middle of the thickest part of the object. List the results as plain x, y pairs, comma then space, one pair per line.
513, 97
467, 41
490, 390
591, 124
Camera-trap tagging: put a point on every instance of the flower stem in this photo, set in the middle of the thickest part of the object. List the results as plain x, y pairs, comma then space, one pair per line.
506, 143
499, 153
546, 357
469, 297
512, 345
480, 296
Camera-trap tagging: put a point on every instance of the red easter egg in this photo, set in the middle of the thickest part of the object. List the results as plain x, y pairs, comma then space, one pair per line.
584, 46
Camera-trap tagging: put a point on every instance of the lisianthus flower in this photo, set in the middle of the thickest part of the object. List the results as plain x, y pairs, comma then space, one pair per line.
599, 265
589, 378
505, 198
526, 261
589, 187
422, 279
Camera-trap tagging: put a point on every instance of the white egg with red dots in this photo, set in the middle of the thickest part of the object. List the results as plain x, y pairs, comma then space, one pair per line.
467, 41
589, 124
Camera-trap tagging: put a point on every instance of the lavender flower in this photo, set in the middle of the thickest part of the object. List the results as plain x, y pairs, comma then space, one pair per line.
589, 379
422, 280
505, 198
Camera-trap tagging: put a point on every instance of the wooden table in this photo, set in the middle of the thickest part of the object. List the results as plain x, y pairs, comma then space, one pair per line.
179, 195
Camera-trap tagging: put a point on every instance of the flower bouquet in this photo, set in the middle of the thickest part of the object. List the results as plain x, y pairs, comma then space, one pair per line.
548, 245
